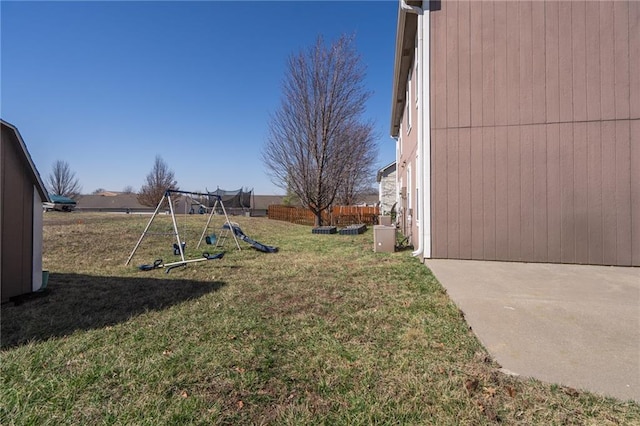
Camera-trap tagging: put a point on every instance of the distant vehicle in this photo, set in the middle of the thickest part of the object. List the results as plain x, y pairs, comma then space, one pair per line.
59, 203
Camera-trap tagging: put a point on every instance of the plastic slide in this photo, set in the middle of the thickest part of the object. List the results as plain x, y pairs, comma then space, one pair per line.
256, 245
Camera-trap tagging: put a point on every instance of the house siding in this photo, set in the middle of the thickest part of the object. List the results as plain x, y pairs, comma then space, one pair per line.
387, 189
407, 161
535, 134
406, 177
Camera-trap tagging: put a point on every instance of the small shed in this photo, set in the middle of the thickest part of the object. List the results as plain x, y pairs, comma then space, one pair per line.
22, 194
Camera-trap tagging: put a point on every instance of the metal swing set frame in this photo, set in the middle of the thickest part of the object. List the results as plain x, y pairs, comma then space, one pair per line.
179, 245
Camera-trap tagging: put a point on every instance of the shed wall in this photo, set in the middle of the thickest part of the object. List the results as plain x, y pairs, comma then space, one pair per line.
17, 224
535, 131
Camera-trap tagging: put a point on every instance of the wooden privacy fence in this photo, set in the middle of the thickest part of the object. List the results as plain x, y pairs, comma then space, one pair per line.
298, 215
339, 215
349, 215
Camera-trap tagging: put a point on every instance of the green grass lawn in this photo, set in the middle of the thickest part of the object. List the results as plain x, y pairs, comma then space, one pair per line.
323, 332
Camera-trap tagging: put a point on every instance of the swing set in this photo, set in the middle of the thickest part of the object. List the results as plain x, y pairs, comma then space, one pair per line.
180, 244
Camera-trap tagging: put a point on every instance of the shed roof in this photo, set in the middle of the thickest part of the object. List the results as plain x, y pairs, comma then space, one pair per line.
28, 161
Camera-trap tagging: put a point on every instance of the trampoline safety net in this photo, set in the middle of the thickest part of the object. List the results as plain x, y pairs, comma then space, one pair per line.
238, 199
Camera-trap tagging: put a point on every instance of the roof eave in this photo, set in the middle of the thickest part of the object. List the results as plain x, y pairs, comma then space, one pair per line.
403, 43
44, 195
395, 102
383, 170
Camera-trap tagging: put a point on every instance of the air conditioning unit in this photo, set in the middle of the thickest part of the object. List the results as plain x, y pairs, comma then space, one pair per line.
384, 239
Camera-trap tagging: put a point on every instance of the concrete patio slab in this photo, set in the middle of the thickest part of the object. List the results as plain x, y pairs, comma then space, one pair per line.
576, 325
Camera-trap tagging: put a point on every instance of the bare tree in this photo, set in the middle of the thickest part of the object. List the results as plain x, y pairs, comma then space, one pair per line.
317, 140
158, 181
128, 189
99, 191
62, 181
359, 165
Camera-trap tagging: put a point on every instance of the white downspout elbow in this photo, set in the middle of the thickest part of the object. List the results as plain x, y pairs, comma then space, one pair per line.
413, 9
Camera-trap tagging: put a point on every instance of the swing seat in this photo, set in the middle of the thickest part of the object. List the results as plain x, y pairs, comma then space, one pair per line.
176, 249
156, 264
211, 239
209, 256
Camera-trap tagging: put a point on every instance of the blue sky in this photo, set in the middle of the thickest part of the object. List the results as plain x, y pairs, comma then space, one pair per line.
107, 86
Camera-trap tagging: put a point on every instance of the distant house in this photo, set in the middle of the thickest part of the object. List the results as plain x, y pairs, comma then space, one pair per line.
128, 202
386, 178
518, 130
22, 195
261, 203
111, 202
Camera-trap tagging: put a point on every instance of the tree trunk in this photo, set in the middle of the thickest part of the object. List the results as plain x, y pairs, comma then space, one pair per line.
318, 220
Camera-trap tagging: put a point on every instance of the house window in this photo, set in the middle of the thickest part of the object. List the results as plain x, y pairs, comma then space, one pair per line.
415, 213
409, 189
417, 207
407, 102
417, 65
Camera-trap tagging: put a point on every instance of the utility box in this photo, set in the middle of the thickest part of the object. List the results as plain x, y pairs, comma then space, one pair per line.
384, 239
384, 220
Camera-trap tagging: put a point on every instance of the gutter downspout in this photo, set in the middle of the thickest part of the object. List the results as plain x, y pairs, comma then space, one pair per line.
420, 169
425, 116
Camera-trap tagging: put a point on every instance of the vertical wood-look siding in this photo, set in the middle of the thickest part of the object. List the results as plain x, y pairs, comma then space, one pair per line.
535, 132
635, 190
500, 63
477, 227
502, 194
489, 191
552, 62
453, 196
439, 219
17, 221
634, 63
464, 65
475, 57
540, 224
464, 167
